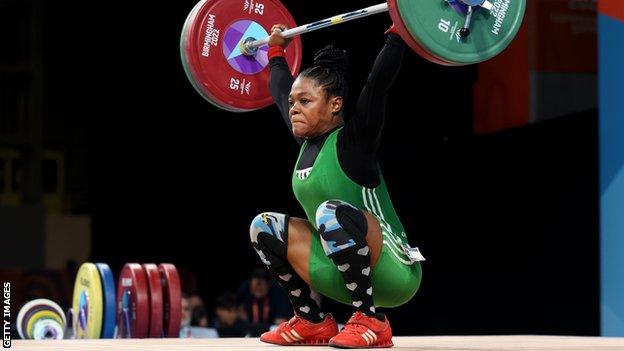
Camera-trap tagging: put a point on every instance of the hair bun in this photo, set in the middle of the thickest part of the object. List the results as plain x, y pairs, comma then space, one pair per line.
332, 58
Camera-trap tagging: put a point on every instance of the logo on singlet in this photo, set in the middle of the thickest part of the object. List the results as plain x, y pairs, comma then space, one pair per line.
304, 173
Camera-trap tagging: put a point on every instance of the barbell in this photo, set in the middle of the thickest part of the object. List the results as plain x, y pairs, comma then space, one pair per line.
223, 45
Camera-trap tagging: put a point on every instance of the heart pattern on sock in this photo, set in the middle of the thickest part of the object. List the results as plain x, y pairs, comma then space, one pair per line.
344, 267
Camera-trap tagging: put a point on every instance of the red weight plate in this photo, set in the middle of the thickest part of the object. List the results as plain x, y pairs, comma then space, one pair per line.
155, 300
214, 30
132, 302
187, 68
409, 40
172, 298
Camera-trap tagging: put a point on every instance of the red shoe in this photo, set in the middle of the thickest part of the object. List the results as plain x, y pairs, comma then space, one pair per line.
298, 331
362, 331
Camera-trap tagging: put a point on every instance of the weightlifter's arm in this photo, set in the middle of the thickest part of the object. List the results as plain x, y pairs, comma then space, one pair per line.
363, 131
280, 78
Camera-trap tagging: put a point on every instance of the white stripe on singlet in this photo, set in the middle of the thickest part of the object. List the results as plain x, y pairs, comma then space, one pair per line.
369, 196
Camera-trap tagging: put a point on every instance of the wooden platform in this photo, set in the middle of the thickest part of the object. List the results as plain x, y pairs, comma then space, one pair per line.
420, 343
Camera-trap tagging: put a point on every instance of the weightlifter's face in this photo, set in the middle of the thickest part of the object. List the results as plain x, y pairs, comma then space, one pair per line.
311, 112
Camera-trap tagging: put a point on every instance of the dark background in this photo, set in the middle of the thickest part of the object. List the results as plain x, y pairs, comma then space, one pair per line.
508, 221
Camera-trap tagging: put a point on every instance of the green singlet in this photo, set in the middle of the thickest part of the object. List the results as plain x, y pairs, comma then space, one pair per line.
395, 277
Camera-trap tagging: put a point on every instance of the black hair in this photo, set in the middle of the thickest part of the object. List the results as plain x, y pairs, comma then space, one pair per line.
227, 301
260, 273
329, 71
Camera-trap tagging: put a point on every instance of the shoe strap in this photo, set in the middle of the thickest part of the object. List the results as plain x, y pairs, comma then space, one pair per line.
354, 326
357, 323
289, 324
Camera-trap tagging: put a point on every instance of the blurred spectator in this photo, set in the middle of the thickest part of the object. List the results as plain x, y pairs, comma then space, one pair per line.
199, 316
194, 320
261, 303
228, 322
187, 311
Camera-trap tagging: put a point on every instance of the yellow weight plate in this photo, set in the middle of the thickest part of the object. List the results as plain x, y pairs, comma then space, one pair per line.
88, 302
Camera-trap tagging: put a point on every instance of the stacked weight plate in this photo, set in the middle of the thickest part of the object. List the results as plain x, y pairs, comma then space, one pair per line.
94, 302
149, 301
41, 319
146, 303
